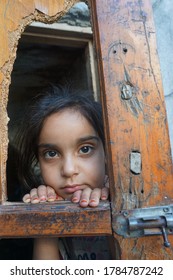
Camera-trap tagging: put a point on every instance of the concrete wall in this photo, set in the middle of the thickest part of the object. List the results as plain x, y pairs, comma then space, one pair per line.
163, 17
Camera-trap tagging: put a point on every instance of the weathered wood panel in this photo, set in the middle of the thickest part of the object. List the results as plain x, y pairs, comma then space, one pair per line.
53, 219
135, 117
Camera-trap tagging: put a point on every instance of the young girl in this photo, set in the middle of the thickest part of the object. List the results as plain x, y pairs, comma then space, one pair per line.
64, 134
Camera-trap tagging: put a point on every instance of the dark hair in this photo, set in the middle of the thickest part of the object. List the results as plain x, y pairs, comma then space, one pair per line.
53, 100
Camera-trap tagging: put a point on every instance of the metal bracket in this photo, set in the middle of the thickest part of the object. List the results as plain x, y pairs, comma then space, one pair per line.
145, 222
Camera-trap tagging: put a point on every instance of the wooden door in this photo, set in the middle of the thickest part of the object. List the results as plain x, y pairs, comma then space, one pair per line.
134, 117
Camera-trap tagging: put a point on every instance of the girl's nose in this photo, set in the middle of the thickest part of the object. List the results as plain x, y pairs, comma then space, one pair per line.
69, 167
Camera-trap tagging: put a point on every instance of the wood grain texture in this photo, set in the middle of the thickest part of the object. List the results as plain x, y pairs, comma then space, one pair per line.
54, 219
135, 119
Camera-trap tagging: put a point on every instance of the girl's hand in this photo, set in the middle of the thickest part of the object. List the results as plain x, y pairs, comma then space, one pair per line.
89, 197
41, 194
86, 197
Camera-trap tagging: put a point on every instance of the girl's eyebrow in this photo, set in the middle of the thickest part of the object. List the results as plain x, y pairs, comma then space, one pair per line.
46, 145
87, 138
80, 140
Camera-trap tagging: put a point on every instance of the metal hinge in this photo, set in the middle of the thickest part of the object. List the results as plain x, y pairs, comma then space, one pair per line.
144, 222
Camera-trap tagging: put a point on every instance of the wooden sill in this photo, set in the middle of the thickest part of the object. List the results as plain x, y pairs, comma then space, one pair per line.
53, 219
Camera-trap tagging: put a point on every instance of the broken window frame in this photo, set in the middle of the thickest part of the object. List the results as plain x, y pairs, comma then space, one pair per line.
61, 218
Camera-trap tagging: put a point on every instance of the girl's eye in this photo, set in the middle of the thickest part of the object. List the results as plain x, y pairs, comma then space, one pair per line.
50, 154
86, 149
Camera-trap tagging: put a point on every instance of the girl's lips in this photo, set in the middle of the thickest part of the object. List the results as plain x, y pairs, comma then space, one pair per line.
71, 188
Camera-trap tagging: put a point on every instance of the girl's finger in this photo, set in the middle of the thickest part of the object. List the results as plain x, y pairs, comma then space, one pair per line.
42, 193
26, 198
104, 193
34, 196
95, 197
76, 196
51, 194
85, 197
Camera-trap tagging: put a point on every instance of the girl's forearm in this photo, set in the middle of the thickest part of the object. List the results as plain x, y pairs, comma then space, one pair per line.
46, 249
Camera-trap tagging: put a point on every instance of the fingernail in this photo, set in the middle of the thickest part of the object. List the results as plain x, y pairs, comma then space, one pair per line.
92, 200
104, 197
75, 199
83, 200
42, 199
51, 198
27, 200
34, 200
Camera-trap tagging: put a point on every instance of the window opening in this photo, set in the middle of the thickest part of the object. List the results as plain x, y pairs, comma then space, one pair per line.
58, 53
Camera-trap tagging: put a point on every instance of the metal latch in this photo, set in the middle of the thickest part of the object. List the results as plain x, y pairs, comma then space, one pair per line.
145, 221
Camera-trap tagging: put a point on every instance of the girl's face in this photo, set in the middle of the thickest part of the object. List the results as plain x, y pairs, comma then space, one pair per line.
71, 154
